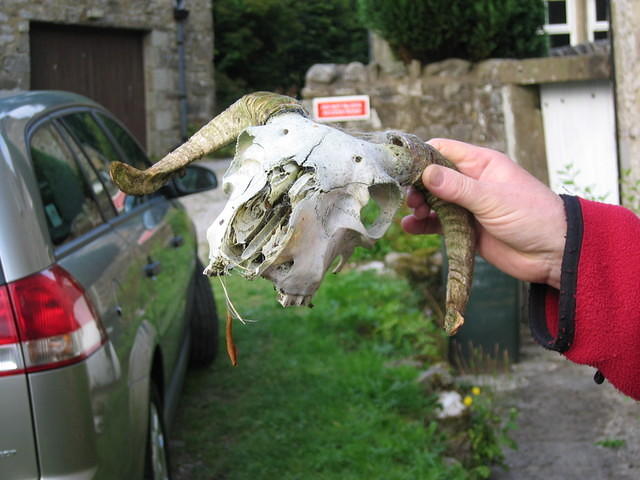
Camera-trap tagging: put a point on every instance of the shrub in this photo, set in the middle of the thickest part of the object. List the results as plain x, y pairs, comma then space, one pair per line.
432, 30
630, 190
270, 44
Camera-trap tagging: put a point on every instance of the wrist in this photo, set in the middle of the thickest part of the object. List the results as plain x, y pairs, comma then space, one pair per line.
553, 279
558, 248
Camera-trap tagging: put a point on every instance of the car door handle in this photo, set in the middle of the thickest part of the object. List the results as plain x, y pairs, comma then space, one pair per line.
152, 269
177, 241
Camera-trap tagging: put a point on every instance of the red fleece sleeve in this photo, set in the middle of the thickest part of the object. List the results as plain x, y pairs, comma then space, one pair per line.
595, 317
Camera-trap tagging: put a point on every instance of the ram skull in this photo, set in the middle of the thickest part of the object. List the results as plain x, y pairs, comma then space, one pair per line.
296, 190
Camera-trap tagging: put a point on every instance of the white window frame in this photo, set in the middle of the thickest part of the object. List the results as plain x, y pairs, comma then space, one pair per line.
592, 24
571, 26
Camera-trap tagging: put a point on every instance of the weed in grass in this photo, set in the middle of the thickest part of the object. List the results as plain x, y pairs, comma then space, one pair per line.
473, 359
611, 443
364, 304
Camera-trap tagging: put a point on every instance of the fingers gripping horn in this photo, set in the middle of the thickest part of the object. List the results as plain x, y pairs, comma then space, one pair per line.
251, 110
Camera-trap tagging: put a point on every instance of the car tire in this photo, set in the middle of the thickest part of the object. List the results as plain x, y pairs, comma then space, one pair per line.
204, 322
157, 465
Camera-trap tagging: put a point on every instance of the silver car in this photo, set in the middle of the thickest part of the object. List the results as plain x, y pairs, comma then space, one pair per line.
102, 300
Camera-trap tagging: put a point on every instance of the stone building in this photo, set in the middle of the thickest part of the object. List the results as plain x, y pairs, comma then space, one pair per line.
128, 55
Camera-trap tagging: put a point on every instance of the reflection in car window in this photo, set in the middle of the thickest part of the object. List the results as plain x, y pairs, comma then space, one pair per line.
100, 152
133, 153
99, 191
194, 180
69, 207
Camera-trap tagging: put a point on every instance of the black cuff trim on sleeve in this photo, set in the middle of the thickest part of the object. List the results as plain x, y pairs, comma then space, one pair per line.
568, 282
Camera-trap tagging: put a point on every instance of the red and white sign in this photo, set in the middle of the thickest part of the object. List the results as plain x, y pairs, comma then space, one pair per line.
341, 109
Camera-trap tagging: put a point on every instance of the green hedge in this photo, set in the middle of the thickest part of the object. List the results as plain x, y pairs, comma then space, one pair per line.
432, 30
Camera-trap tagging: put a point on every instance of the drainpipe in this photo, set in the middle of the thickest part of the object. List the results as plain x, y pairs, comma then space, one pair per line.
180, 14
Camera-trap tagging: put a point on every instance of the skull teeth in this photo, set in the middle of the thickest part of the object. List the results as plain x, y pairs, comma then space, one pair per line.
288, 300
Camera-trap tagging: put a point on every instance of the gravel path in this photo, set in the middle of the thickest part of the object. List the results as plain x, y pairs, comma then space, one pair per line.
563, 416
563, 413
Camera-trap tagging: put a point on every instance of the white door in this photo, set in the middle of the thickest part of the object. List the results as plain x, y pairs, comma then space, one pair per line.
579, 129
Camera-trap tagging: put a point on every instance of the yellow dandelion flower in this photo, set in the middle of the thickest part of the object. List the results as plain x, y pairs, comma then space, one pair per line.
475, 390
467, 401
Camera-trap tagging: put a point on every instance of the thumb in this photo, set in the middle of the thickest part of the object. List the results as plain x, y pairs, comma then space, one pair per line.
452, 186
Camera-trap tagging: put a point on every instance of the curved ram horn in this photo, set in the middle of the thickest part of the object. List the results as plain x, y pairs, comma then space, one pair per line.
252, 109
410, 156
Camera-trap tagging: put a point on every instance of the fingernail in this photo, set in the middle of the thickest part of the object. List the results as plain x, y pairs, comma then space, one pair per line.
436, 177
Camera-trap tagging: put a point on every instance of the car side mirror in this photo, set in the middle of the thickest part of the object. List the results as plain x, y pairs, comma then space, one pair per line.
195, 179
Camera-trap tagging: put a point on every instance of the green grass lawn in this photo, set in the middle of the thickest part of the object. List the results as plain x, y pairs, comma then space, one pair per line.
313, 396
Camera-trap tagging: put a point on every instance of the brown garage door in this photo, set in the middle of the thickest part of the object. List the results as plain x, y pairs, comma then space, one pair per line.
103, 64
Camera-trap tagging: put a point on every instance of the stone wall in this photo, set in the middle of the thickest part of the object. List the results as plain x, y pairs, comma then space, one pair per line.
155, 17
492, 103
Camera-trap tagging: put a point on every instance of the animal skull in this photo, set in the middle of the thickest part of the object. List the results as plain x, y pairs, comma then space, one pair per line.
296, 189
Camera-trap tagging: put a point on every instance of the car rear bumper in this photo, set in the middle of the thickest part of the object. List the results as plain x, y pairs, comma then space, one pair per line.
18, 457
85, 415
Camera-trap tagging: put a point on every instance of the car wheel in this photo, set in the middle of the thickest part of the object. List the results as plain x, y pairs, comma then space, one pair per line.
204, 322
157, 466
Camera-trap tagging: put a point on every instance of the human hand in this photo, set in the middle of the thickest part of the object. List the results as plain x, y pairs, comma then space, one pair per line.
521, 223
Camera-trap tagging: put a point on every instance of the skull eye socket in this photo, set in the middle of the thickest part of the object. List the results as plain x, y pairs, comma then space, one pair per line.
376, 215
370, 213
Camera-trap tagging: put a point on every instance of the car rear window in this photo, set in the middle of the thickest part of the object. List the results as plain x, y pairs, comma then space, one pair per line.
68, 203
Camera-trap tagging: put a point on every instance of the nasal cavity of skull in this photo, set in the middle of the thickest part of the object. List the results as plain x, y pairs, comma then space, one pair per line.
396, 141
285, 266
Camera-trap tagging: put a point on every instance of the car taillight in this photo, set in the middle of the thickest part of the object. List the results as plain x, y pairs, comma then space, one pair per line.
54, 321
10, 357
